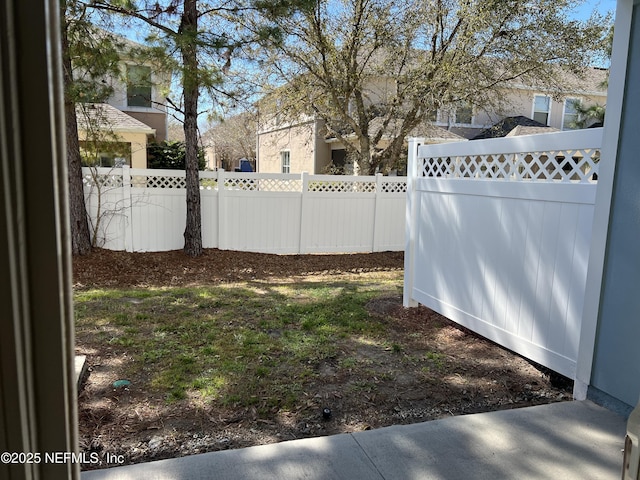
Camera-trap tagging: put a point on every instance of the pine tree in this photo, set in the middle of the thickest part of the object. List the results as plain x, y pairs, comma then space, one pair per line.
87, 55
201, 37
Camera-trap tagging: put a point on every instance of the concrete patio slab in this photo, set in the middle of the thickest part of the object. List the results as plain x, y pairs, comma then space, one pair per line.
337, 457
570, 440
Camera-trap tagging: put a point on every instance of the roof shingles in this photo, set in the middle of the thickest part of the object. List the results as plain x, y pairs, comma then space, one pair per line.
108, 117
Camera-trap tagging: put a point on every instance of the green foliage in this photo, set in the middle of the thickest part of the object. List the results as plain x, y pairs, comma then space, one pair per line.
588, 115
95, 55
170, 155
216, 33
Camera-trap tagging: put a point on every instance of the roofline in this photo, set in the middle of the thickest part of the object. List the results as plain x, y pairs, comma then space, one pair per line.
148, 131
386, 137
591, 93
287, 126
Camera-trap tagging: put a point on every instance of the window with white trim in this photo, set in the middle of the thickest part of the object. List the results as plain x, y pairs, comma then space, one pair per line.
138, 86
571, 115
285, 161
542, 109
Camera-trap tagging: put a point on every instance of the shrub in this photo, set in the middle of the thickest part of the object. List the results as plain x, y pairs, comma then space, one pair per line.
170, 155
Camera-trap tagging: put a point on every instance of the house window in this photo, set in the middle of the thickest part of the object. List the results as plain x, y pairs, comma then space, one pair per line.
105, 154
464, 114
541, 109
138, 86
571, 116
285, 160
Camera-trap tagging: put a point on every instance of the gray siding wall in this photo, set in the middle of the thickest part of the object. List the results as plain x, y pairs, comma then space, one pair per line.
616, 368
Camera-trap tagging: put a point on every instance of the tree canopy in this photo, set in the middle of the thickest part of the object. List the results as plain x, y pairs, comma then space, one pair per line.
200, 37
232, 139
374, 70
89, 55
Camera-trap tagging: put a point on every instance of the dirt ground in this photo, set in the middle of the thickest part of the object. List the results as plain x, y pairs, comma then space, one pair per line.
461, 373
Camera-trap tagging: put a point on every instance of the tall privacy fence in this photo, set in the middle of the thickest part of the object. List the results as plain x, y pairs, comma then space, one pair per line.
498, 238
145, 210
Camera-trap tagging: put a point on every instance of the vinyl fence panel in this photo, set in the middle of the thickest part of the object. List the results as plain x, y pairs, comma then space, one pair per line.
157, 219
503, 248
268, 213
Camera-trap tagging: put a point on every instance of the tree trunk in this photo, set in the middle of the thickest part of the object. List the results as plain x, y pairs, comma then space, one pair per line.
364, 159
80, 237
193, 229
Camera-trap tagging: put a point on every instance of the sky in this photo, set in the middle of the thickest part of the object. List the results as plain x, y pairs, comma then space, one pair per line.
602, 6
581, 13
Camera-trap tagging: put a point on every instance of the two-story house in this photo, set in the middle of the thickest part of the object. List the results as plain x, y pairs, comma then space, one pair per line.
142, 95
302, 145
134, 113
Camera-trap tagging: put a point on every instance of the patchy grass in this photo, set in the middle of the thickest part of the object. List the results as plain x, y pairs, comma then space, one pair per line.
234, 349
243, 344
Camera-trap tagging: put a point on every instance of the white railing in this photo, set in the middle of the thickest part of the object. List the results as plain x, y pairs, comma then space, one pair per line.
498, 238
570, 157
144, 210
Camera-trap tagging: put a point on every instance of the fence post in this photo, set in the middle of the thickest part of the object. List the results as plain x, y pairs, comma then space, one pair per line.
127, 208
222, 214
410, 222
376, 213
304, 177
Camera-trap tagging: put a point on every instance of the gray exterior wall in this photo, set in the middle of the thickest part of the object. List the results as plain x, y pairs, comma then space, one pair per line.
616, 366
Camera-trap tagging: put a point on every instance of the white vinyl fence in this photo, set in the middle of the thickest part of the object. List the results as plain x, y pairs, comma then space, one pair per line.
498, 238
145, 210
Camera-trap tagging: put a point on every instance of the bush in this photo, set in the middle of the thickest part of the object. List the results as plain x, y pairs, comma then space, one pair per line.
170, 155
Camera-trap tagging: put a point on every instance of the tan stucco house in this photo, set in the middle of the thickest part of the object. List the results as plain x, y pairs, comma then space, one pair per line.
286, 146
111, 138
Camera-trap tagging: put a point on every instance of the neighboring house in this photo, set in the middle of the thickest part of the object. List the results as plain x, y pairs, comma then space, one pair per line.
111, 138
305, 147
297, 146
294, 148
139, 92
526, 102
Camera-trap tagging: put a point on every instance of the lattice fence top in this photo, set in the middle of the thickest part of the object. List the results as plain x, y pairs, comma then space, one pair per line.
280, 185
394, 187
263, 184
569, 166
163, 181
93, 179
234, 181
342, 186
